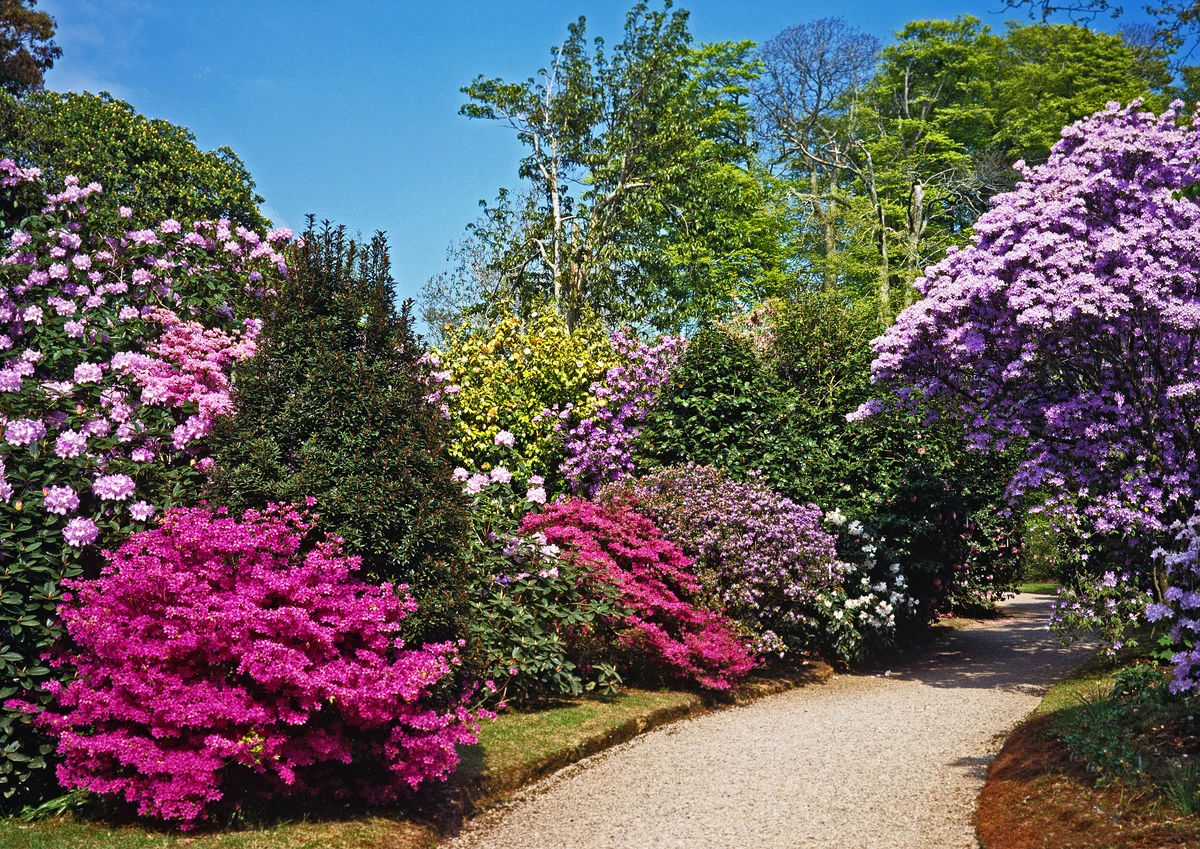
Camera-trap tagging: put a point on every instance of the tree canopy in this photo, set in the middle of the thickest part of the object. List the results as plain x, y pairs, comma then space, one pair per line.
150, 165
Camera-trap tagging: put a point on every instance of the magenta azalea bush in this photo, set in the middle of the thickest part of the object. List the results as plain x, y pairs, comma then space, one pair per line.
213, 646
1070, 327
599, 448
116, 348
763, 558
654, 579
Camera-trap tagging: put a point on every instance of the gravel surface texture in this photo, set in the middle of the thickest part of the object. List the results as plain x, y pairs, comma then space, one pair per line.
875, 761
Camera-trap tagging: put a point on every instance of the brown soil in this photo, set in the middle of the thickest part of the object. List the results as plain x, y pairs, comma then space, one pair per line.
1037, 798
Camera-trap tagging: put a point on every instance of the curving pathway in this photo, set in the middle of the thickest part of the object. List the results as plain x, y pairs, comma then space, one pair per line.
890, 761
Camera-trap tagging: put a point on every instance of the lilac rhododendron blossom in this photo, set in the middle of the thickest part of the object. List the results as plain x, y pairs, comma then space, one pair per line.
113, 487
61, 500
24, 431
1069, 327
80, 531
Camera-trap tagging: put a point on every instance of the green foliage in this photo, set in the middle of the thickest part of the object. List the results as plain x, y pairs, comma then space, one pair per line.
333, 407
540, 626
1095, 733
27, 48
149, 165
644, 204
543, 635
504, 375
1182, 789
1053, 75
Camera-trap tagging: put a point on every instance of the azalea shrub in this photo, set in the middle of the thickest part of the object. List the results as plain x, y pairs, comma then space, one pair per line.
667, 632
220, 659
116, 348
759, 556
522, 377
1067, 329
332, 407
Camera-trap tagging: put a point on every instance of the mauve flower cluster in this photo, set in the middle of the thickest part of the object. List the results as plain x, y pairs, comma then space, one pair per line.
1181, 603
94, 356
656, 582
211, 643
765, 558
599, 448
1071, 325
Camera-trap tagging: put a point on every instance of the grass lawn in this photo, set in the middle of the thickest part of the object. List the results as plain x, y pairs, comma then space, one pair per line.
1039, 587
513, 750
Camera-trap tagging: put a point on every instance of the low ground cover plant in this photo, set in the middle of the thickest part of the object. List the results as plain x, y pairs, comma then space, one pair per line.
215, 649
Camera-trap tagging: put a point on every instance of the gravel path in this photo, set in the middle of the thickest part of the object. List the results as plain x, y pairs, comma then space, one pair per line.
868, 761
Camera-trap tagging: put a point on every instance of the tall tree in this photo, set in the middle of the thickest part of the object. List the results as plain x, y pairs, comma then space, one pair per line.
805, 101
27, 48
642, 173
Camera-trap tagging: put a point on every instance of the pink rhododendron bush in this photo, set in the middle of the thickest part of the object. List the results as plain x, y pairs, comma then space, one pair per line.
211, 648
1072, 327
116, 350
665, 629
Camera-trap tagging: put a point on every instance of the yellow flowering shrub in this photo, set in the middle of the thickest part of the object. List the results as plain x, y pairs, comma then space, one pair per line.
501, 379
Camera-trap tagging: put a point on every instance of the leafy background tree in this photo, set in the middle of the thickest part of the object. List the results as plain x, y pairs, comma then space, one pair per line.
644, 203
27, 48
148, 164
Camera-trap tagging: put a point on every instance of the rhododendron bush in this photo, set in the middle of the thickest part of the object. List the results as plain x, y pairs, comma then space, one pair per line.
1070, 327
665, 629
212, 646
115, 357
760, 556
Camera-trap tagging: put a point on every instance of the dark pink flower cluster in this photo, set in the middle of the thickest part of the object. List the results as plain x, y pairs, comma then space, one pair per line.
212, 646
656, 582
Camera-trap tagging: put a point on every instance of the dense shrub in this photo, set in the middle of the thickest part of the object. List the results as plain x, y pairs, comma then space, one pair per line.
540, 625
1068, 329
115, 352
760, 556
666, 631
719, 408
214, 653
519, 377
333, 407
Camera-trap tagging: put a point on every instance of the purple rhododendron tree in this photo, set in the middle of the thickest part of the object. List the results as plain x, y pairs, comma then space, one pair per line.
655, 580
212, 646
1072, 324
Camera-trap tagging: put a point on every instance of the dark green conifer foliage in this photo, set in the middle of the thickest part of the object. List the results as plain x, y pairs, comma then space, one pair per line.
333, 407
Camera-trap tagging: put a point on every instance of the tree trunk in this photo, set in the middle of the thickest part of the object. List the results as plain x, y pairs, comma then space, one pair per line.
916, 228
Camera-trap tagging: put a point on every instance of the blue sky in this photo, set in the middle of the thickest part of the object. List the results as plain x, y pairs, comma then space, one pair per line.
349, 109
